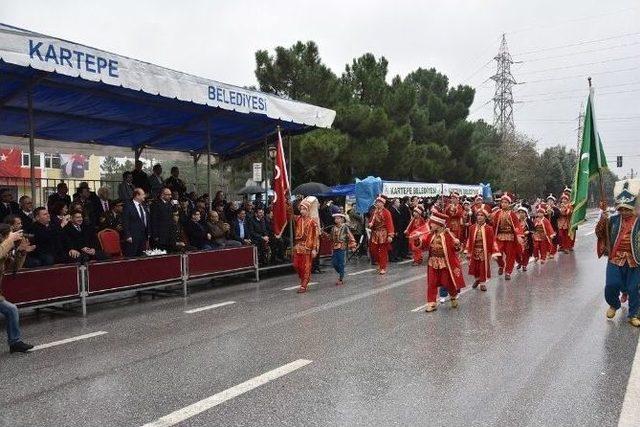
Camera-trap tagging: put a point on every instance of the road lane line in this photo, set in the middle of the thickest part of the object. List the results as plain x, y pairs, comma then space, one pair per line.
589, 233
630, 413
406, 261
290, 288
209, 307
355, 273
68, 340
212, 401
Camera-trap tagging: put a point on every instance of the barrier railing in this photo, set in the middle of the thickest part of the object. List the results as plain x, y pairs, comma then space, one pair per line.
49, 286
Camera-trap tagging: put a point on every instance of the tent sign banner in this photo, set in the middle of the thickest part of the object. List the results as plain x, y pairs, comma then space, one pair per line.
29, 49
421, 189
257, 172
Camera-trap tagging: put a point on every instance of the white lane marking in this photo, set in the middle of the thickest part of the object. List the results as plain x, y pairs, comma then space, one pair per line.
630, 413
209, 307
355, 273
68, 340
290, 288
228, 394
406, 261
589, 233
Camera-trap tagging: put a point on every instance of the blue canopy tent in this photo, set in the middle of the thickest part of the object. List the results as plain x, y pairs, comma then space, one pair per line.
340, 190
59, 90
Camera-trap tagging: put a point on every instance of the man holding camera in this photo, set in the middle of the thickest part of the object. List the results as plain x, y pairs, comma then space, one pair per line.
13, 250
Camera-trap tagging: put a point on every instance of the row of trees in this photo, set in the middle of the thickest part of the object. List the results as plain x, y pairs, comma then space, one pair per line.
415, 128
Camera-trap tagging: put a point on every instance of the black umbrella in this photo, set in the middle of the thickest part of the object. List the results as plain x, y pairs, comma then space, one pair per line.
311, 189
251, 189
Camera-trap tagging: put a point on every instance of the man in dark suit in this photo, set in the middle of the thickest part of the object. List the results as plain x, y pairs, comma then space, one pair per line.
175, 183
7, 205
163, 230
135, 224
101, 204
26, 213
61, 195
46, 238
241, 229
80, 241
260, 233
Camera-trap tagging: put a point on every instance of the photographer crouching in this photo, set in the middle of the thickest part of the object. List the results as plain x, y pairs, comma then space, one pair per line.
13, 251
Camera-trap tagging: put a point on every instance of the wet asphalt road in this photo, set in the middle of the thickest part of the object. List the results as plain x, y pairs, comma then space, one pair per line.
533, 351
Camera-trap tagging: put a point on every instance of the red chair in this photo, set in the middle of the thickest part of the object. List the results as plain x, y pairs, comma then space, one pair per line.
110, 242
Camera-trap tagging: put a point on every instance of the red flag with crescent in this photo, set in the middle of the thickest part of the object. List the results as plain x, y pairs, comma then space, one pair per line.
281, 190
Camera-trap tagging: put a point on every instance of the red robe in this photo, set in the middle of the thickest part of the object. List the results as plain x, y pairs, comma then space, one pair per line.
488, 245
306, 240
381, 225
455, 221
451, 257
564, 222
510, 249
416, 222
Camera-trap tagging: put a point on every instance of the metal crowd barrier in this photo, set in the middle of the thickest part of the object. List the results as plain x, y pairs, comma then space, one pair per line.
62, 284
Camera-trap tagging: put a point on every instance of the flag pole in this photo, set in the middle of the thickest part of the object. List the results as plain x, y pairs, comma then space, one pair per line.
602, 198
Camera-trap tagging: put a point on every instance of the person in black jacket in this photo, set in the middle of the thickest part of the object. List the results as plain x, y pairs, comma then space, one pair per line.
80, 241
260, 235
163, 228
46, 238
135, 224
26, 213
241, 228
197, 233
7, 205
61, 195
140, 178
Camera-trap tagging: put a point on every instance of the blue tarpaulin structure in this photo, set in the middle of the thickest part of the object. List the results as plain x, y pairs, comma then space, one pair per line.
366, 192
341, 190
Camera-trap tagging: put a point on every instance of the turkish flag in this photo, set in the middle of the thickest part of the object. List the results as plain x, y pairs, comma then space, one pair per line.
10, 162
281, 190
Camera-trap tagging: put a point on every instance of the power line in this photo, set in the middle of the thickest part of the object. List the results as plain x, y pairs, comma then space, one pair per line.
578, 97
578, 43
621, 70
564, 55
581, 90
582, 64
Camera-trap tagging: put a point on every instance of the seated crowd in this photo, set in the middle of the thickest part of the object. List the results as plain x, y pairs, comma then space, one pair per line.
150, 213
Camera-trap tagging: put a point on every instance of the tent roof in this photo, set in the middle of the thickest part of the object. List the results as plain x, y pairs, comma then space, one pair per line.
82, 94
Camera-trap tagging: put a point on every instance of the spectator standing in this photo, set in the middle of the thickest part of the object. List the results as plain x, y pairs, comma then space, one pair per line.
140, 178
61, 195
156, 182
125, 189
135, 224
163, 227
260, 235
175, 183
102, 204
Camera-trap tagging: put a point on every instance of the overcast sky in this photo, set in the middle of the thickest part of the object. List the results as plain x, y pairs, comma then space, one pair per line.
559, 42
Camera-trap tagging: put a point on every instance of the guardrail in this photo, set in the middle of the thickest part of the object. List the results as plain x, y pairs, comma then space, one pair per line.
61, 284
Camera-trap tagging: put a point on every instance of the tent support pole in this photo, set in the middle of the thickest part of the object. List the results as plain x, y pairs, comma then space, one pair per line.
32, 147
209, 157
196, 157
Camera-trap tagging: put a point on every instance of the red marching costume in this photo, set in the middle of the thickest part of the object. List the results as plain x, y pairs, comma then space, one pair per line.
480, 248
564, 222
306, 241
381, 225
443, 267
543, 235
417, 221
508, 233
455, 212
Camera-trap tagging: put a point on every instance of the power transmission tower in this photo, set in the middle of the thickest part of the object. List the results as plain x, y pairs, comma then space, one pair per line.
503, 98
